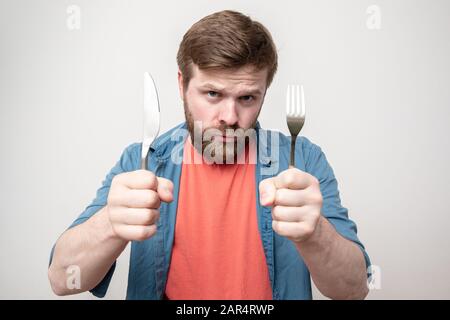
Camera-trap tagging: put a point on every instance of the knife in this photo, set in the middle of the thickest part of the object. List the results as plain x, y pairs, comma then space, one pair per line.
151, 117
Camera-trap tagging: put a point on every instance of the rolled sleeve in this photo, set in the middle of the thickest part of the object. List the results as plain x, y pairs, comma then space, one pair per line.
332, 209
129, 161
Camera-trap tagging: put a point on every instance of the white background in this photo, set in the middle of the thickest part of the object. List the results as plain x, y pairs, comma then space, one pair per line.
378, 105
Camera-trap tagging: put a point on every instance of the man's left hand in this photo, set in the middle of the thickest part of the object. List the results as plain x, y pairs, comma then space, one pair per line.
296, 202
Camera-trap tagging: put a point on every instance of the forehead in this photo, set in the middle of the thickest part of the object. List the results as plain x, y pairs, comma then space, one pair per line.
239, 78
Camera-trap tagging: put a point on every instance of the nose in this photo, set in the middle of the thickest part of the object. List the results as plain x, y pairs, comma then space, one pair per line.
228, 113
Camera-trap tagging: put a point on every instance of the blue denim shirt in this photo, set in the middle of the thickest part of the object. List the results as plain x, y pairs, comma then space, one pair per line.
150, 259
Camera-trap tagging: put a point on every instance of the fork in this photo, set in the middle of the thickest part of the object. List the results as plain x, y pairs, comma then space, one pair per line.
295, 115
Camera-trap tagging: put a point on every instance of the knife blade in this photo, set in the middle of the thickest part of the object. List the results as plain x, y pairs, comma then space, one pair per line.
151, 117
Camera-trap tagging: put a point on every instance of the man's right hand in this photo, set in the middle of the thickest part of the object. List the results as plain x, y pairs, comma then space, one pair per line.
133, 203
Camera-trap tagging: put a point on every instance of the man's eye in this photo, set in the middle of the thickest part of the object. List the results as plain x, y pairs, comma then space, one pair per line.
212, 94
247, 98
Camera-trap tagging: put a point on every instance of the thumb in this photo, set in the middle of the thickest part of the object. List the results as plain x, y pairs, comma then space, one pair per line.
267, 191
165, 189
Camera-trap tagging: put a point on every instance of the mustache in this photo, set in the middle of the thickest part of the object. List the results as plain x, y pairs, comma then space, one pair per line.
230, 131
224, 128
233, 130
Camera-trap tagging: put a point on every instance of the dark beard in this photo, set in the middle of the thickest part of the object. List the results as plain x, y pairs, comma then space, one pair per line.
209, 148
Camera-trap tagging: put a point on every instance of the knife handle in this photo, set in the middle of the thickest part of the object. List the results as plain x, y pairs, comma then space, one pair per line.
144, 162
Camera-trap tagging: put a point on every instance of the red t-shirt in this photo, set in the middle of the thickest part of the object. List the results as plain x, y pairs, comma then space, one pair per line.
217, 251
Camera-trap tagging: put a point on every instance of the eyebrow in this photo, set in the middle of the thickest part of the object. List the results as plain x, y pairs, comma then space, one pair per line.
250, 91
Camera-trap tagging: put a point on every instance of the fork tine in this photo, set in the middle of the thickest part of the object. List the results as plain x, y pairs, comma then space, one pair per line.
295, 101
295, 109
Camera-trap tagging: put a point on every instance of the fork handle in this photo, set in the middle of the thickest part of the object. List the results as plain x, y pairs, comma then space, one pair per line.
293, 140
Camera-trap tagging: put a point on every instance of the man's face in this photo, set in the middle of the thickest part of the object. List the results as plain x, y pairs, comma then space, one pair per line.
225, 100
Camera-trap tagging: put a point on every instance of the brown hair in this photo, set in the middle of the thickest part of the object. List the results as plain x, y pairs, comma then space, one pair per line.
227, 39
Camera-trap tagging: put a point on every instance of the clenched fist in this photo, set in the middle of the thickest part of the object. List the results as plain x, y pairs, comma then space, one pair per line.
133, 203
296, 202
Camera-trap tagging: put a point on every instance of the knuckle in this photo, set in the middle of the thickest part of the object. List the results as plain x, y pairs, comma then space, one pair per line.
318, 198
115, 181
150, 177
120, 178
275, 226
153, 200
145, 233
315, 181
140, 234
147, 216
164, 182
150, 231
262, 184
276, 212
112, 199
289, 179
280, 195
151, 216
315, 197
308, 230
